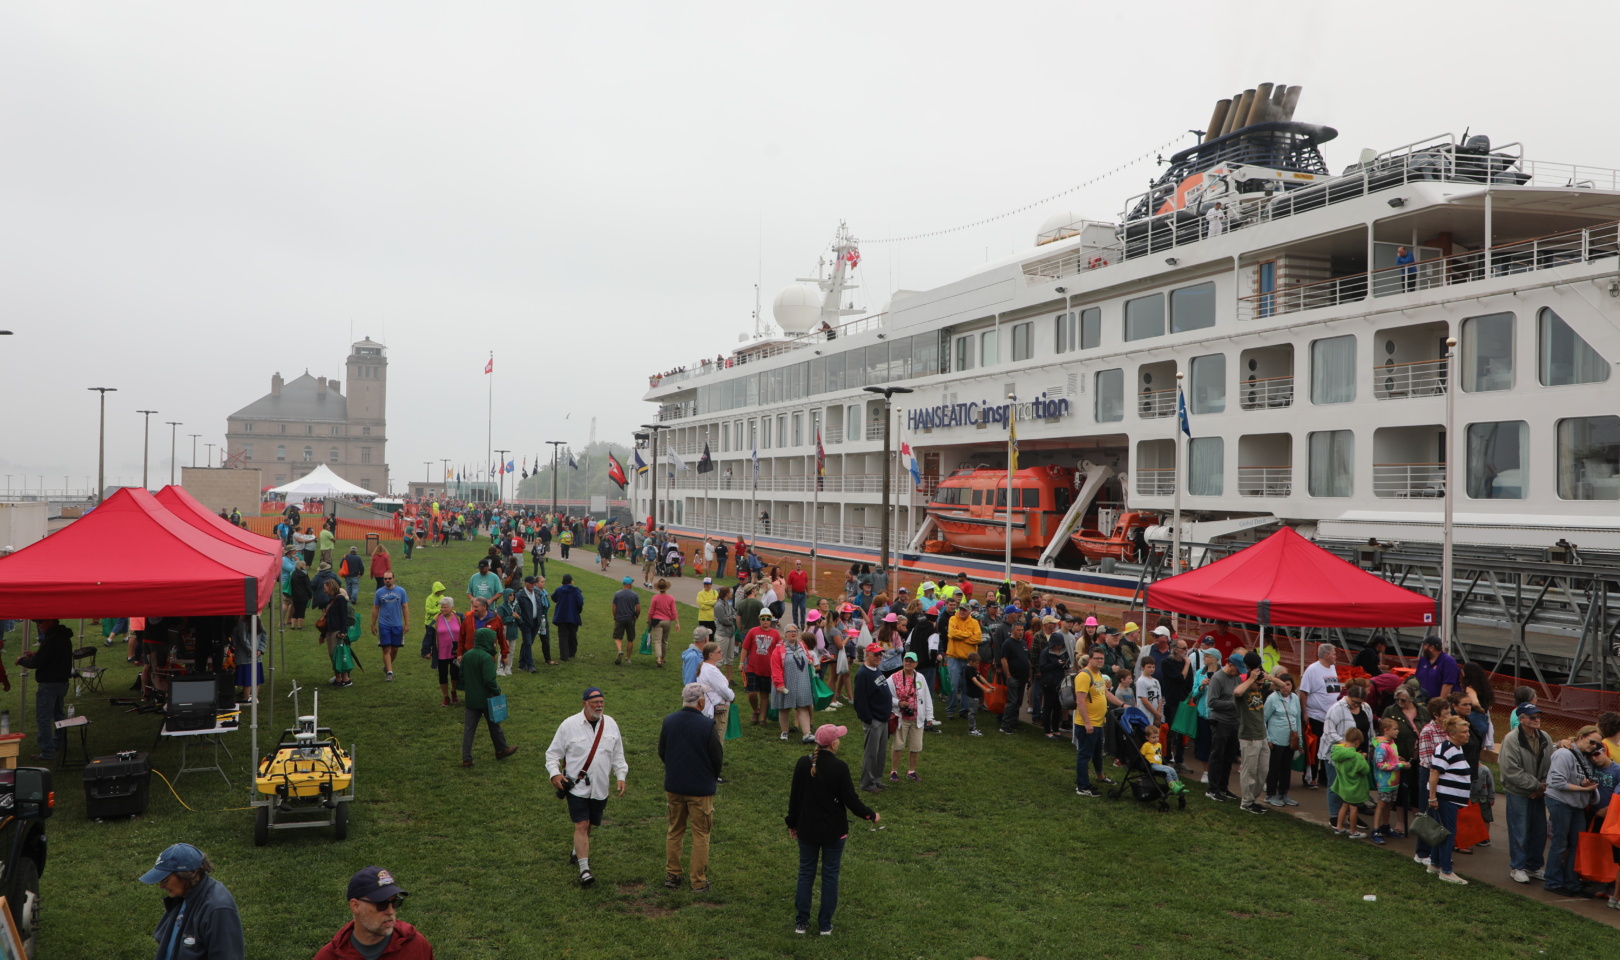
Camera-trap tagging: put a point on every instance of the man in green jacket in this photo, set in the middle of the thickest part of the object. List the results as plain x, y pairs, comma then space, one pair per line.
478, 679
748, 609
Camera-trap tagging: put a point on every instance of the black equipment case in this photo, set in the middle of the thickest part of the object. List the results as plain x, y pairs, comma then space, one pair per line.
117, 786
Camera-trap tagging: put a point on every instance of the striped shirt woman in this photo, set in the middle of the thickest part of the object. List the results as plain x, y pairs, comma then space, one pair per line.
1449, 789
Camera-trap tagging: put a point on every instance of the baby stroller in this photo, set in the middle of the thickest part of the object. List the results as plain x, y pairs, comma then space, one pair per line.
1145, 784
670, 564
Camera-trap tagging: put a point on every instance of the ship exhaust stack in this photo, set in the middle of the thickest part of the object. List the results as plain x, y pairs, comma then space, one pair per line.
1240, 111
1291, 101
1258, 105
1217, 120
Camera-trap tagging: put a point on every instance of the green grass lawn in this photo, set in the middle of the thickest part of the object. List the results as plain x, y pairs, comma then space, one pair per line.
992, 855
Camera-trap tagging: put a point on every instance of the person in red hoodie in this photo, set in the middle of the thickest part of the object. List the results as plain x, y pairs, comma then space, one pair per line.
482, 616
798, 584
376, 930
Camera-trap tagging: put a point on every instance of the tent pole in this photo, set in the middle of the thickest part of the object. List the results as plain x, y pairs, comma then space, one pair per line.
253, 695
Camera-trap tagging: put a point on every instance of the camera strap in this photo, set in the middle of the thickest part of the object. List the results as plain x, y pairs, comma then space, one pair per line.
601, 724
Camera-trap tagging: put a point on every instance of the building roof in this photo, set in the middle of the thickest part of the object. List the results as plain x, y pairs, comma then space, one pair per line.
300, 401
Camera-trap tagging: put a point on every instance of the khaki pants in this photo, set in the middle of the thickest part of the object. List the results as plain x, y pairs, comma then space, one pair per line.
698, 812
660, 636
1256, 761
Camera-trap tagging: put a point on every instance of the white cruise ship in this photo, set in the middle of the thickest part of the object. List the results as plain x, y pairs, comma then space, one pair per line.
1307, 317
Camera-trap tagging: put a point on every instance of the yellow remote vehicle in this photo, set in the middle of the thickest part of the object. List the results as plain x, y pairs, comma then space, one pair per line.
309, 777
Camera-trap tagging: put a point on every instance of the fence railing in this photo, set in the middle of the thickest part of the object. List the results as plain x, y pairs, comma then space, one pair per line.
899, 485
1267, 392
1157, 403
1265, 481
1156, 481
1405, 480
826, 533
1419, 378
705, 365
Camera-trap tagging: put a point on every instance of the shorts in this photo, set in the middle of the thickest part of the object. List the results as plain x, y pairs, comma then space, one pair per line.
390, 636
1386, 796
907, 738
624, 629
759, 683
581, 809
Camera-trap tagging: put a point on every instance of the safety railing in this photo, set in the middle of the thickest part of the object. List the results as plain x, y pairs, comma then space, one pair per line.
1265, 481
900, 485
1156, 403
1156, 481
1409, 480
1268, 392
1419, 378
832, 433
746, 355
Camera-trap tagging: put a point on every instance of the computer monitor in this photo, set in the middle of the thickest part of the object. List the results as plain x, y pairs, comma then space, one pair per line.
193, 694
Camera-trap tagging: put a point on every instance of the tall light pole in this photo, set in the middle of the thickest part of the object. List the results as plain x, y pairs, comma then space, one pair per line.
193, 437
210, 447
174, 426
888, 420
146, 446
554, 445
101, 454
1447, 571
445, 462
653, 428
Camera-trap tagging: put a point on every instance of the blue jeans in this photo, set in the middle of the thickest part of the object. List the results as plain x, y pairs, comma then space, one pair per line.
49, 707
1446, 813
798, 608
1086, 745
1564, 829
957, 669
1036, 700
1334, 803
526, 652
350, 586
1527, 833
832, 858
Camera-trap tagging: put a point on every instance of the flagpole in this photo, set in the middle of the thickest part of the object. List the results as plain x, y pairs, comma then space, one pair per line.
489, 424
706, 489
1175, 522
1012, 464
815, 512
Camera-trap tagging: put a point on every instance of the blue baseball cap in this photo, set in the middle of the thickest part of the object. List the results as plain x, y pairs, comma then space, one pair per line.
591, 692
180, 857
628, 580
1236, 660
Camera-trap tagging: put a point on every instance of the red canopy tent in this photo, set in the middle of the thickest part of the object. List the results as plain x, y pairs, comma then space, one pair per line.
185, 506
131, 557
1286, 580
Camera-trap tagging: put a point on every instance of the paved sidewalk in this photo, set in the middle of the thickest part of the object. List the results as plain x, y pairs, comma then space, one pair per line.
1485, 865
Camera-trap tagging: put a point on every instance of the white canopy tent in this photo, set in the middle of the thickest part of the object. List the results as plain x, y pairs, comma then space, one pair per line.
322, 482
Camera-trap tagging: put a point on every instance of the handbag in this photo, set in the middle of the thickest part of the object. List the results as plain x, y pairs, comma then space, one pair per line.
495, 708
1611, 825
1471, 827
733, 722
1594, 858
342, 658
646, 643
819, 691
995, 698
1426, 828
1186, 720
1066, 696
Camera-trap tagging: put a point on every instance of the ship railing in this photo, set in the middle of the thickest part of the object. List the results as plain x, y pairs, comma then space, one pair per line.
900, 484
1155, 481
832, 433
1523, 256
1157, 403
1265, 481
745, 356
1267, 393
825, 533
1409, 480
1419, 378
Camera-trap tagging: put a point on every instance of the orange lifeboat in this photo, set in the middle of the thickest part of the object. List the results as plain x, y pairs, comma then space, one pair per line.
1124, 543
970, 509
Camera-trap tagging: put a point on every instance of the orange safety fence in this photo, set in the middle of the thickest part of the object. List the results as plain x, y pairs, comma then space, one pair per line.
346, 529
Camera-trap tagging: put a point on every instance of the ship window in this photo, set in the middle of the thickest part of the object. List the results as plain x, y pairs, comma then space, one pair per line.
1110, 395
1333, 371
854, 368
1065, 499
1144, 317
1487, 344
988, 352
781, 430
1332, 463
877, 363
978, 498
924, 356
798, 429
1091, 328
1063, 328
1496, 460
835, 372
964, 355
1589, 458
1209, 384
900, 358
753, 398
1030, 498
1023, 341
1566, 358
818, 376
1001, 497
1192, 308
1205, 462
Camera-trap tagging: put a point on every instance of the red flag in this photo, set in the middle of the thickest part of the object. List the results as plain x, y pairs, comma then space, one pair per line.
616, 471
490, 366
821, 460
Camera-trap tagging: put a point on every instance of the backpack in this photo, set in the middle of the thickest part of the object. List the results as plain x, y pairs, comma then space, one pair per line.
1066, 693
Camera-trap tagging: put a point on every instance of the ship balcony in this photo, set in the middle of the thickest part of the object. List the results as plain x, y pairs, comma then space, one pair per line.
1409, 480
1421, 378
1275, 481
1156, 481
1156, 403
1269, 393
832, 433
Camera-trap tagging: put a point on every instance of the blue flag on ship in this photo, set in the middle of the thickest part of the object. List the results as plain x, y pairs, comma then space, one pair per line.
641, 465
1181, 412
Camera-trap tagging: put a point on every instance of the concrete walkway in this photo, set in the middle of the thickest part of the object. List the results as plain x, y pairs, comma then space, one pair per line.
1487, 864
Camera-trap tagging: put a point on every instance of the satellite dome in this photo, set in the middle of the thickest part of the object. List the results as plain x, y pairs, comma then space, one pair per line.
1060, 226
797, 308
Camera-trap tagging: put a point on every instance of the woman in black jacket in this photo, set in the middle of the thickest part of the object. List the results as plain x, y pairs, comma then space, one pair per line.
337, 628
301, 592
818, 806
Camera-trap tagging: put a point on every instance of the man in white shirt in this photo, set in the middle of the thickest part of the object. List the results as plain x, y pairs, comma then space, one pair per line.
584, 753
1318, 689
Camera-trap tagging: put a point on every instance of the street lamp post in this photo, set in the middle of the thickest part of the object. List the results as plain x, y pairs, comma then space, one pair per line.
210, 447
1447, 571
146, 447
193, 437
888, 418
653, 429
174, 426
554, 445
101, 449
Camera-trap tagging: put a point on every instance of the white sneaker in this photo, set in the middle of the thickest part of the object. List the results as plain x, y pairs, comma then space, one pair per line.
1453, 878
1519, 876
1422, 860
389, 676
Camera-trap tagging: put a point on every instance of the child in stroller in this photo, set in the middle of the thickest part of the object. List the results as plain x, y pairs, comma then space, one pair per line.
671, 564
1146, 776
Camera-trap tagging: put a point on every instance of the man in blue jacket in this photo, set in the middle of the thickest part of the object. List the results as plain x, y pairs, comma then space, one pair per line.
873, 702
200, 919
569, 603
692, 756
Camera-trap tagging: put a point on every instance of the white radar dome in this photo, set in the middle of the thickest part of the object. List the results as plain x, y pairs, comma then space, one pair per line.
1060, 226
797, 308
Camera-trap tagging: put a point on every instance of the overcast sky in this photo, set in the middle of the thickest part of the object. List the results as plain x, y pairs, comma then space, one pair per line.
194, 196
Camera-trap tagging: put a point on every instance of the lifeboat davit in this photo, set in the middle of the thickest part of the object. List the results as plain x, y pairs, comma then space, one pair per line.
970, 509
1127, 542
